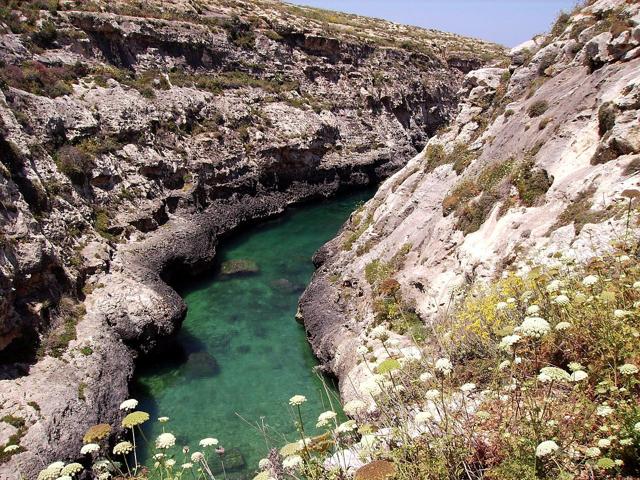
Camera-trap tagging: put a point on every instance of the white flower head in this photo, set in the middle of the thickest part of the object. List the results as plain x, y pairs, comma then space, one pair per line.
554, 286
604, 410
555, 374
89, 448
379, 332
501, 306
129, 404
563, 326
165, 440
297, 400
534, 327
636, 427
264, 464
170, 462
362, 350
354, 407
123, 448
197, 457
504, 365
347, 426
593, 452
468, 387
163, 419
423, 418
186, 466
628, 369
533, 309
432, 394
11, 448
509, 341
621, 313
425, 377
292, 462
208, 442
579, 376
590, 280
604, 443
444, 366
325, 417
546, 448
561, 300
71, 469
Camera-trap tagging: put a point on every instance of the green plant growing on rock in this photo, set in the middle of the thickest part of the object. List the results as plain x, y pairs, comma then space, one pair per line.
537, 108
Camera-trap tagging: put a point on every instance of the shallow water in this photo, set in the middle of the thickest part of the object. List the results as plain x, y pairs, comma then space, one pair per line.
240, 351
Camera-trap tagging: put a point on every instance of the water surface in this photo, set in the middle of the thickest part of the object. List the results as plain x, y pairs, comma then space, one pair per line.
240, 351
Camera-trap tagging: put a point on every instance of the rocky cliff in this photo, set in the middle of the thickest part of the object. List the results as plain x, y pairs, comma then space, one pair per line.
542, 160
133, 136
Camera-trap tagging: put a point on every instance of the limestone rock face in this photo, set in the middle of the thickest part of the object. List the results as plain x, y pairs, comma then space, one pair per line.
541, 158
132, 137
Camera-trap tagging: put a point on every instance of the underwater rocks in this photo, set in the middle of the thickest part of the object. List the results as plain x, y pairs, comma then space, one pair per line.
231, 268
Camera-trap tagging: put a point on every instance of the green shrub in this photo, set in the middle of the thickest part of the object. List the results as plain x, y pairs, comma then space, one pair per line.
46, 36
74, 163
531, 182
538, 108
39, 79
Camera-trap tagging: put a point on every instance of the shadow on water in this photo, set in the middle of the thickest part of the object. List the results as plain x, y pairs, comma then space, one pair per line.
240, 355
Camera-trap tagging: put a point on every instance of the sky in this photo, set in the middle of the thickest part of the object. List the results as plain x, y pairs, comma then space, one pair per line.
509, 22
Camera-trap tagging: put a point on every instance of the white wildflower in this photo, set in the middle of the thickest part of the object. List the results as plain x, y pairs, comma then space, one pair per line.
347, 426
579, 375
555, 374
425, 377
636, 427
122, 448
324, 418
593, 452
197, 457
545, 448
621, 313
604, 410
379, 332
10, 448
89, 448
561, 300
163, 419
292, 462
590, 280
534, 327
264, 464
604, 443
468, 387
130, 404
504, 365
533, 309
432, 394
509, 341
554, 286
575, 366
501, 306
354, 407
165, 440
423, 418
444, 366
297, 400
208, 442
362, 350
186, 466
628, 369
563, 326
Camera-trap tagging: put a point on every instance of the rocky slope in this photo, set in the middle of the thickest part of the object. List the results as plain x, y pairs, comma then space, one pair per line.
542, 159
132, 138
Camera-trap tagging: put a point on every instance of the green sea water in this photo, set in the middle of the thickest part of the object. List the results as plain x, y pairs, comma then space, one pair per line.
240, 352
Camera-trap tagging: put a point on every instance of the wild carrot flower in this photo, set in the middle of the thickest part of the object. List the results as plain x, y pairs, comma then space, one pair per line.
509, 341
165, 440
208, 442
163, 419
561, 300
264, 464
563, 326
186, 466
129, 404
353, 407
432, 394
292, 462
134, 419
579, 375
170, 462
422, 418
546, 448
324, 418
71, 469
347, 426
604, 410
621, 313
604, 443
379, 332
297, 400
628, 369
636, 427
554, 286
534, 327
444, 366
362, 350
89, 448
590, 280
533, 309
122, 448
593, 452
501, 306
504, 365
548, 374
468, 387
10, 448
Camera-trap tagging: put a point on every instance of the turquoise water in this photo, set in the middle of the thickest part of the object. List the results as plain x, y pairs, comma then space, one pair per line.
240, 351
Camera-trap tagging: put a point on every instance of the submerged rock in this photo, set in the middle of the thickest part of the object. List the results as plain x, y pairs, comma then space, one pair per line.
201, 364
287, 286
239, 267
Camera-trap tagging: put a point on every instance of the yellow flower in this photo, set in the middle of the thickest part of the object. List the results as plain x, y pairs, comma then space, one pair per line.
135, 418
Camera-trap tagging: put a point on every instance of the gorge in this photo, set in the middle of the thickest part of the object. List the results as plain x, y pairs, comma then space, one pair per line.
137, 136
